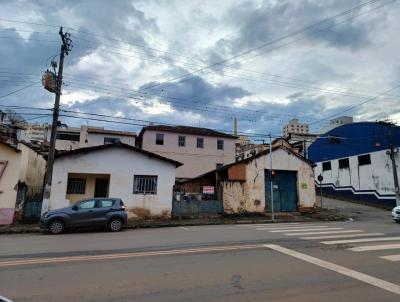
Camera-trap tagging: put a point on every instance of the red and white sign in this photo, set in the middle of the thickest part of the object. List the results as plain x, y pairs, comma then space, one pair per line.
208, 190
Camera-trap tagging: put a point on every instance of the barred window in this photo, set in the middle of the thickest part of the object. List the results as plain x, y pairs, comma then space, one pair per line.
111, 140
200, 142
326, 166
344, 163
159, 139
220, 144
76, 186
181, 141
144, 184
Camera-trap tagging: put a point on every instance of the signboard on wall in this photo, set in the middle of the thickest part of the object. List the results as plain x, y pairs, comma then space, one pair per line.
208, 189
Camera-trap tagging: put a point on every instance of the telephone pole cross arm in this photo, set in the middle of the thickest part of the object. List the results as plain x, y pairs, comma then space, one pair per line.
66, 47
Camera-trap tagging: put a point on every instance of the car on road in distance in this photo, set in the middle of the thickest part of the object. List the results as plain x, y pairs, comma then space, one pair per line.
396, 214
91, 212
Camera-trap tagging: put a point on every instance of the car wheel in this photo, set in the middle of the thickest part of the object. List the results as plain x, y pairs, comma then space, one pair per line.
115, 225
56, 227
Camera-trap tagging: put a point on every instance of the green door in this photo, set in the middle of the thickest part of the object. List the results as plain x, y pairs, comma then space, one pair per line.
285, 191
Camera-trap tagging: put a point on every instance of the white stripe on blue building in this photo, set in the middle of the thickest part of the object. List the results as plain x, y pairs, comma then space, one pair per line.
354, 160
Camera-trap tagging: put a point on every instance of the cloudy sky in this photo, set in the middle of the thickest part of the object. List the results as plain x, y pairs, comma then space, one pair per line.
202, 63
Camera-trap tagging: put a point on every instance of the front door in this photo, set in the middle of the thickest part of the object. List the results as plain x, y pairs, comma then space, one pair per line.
285, 191
101, 188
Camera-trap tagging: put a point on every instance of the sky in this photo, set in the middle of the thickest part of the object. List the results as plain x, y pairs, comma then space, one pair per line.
204, 63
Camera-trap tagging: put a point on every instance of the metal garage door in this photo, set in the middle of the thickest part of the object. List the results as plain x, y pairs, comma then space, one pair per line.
285, 191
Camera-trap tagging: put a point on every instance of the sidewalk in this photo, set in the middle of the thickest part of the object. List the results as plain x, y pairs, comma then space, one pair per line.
319, 215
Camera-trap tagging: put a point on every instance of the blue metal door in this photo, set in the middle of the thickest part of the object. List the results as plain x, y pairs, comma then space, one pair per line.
285, 191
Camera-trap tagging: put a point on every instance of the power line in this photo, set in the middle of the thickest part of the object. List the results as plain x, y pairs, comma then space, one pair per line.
358, 105
18, 90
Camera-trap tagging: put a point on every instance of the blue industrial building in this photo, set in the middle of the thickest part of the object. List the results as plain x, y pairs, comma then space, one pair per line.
354, 160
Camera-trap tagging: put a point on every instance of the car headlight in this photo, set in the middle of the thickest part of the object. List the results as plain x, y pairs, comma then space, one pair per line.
47, 215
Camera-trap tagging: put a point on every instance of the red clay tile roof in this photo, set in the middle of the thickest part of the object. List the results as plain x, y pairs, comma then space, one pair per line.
116, 145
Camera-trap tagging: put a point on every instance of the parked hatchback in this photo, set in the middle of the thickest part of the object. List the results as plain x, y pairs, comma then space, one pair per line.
396, 214
93, 212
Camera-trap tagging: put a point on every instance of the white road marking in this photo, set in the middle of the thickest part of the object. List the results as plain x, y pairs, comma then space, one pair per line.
184, 228
391, 257
290, 227
375, 247
388, 286
268, 224
324, 232
304, 230
361, 240
127, 255
342, 236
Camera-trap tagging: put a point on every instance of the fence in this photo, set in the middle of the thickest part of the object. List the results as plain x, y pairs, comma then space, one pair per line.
32, 204
195, 205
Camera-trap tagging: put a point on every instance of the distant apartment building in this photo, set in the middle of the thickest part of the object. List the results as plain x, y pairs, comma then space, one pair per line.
295, 127
72, 138
339, 121
199, 149
36, 133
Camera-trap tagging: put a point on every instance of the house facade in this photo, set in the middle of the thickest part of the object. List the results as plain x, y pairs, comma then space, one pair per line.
245, 186
199, 149
87, 136
354, 160
22, 172
143, 180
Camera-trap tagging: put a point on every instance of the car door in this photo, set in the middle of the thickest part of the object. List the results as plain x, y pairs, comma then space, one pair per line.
103, 207
84, 213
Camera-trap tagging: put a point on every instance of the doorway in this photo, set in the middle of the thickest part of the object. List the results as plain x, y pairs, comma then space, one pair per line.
101, 187
285, 191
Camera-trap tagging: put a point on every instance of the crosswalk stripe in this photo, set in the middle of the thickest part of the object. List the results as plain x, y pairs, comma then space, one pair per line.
323, 232
360, 240
303, 230
291, 227
391, 257
375, 247
342, 236
267, 224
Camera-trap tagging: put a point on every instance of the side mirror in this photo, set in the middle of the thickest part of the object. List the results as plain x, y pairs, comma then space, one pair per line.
75, 208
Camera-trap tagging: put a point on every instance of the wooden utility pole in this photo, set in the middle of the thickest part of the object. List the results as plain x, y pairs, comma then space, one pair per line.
65, 48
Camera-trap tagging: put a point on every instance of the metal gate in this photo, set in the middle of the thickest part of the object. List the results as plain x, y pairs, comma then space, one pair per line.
194, 205
285, 191
32, 204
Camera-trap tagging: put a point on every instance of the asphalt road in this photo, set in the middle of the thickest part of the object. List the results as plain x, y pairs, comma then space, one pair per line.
271, 262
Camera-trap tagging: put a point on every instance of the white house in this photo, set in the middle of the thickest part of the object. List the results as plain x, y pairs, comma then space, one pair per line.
199, 149
143, 180
22, 172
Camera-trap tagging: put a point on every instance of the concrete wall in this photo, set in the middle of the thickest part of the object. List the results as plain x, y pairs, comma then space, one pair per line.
96, 139
33, 167
254, 187
121, 165
374, 181
196, 160
8, 183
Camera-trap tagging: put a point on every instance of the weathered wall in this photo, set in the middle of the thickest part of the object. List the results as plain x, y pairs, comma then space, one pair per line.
33, 167
375, 180
8, 183
96, 139
237, 172
254, 187
196, 160
122, 165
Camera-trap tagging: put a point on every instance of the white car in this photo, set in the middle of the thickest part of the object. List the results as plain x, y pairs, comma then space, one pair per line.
396, 214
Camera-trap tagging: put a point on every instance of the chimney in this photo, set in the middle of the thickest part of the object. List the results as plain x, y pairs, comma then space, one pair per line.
235, 126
